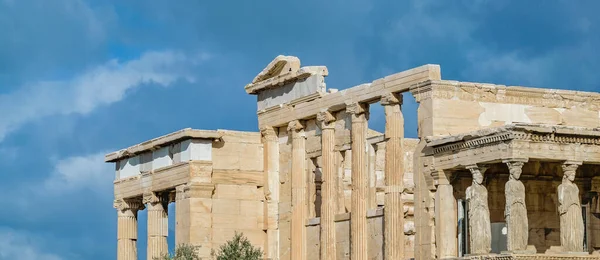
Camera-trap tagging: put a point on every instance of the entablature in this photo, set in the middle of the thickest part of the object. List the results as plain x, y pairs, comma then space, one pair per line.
535, 142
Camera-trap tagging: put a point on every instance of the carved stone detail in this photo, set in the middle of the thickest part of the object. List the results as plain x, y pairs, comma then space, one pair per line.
515, 211
479, 213
391, 99
158, 223
294, 126
326, 119
268, 133
569, 210
357, 109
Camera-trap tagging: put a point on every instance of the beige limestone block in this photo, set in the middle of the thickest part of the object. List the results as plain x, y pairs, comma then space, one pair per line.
313, 242
581, 117
193, 225
376, 238
343, 239
543, 115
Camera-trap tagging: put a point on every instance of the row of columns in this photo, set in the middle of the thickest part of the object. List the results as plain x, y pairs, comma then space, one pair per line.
158, 223
479, 226
394, 211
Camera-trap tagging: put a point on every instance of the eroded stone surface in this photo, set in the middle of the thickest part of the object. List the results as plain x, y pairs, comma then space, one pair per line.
316, 183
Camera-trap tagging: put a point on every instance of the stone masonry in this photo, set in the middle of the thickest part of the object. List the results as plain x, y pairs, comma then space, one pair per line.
496, 172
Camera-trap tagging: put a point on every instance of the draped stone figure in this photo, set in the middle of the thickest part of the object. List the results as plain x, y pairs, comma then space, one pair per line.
515, 211
480, 233
569, 210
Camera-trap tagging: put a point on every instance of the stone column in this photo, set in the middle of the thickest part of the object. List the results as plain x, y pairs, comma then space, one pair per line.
271, 205
299, 186
394, 176
480, 229
515, 211
127, 228
446, 216
328, 186
360, 182
158, 224
569, 210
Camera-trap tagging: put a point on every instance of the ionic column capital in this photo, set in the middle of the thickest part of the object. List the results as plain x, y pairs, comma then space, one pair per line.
295, 126
390, 99
128, 204
325, 118
357, 108
154, 198
269, 133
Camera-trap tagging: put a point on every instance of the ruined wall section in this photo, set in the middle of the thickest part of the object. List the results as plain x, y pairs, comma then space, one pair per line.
451, 107
238, 198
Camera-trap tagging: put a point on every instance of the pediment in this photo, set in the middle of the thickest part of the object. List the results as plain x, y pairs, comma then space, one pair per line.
279, 66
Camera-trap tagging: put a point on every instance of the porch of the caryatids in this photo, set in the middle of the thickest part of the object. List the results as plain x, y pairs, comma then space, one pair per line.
360, 181
158, 224
127, 211
480, 229
329, 186
394, 176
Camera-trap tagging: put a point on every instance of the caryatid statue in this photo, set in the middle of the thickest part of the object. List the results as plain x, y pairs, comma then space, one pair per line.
569, 210
480, 229
515, 211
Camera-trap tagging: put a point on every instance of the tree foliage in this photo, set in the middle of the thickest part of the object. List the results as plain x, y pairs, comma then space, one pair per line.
182, 252
239, 248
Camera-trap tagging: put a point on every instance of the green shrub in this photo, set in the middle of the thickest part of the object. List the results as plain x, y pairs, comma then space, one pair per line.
182, 252
239, 249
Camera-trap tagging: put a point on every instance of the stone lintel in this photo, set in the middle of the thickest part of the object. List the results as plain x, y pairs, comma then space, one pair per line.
364, 93
162, 141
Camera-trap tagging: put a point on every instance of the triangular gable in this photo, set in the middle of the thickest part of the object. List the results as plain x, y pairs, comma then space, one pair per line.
279, 66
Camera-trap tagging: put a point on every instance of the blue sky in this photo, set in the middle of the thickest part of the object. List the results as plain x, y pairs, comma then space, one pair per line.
81, 78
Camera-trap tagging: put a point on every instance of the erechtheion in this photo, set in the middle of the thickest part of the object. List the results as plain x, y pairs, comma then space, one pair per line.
497, 173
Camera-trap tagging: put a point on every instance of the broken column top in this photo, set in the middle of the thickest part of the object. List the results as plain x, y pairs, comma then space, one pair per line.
283, 70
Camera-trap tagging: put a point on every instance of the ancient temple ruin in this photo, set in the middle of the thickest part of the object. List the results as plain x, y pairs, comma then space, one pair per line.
497, 172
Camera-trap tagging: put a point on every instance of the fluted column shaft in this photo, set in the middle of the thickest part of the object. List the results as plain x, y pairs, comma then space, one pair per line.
360, 182
271, 212
127, 229
394, 177
158, 225
299, 197
328, 187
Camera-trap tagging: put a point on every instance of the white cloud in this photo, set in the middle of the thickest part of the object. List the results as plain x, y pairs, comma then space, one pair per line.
23, 246
87, 172
102, 85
